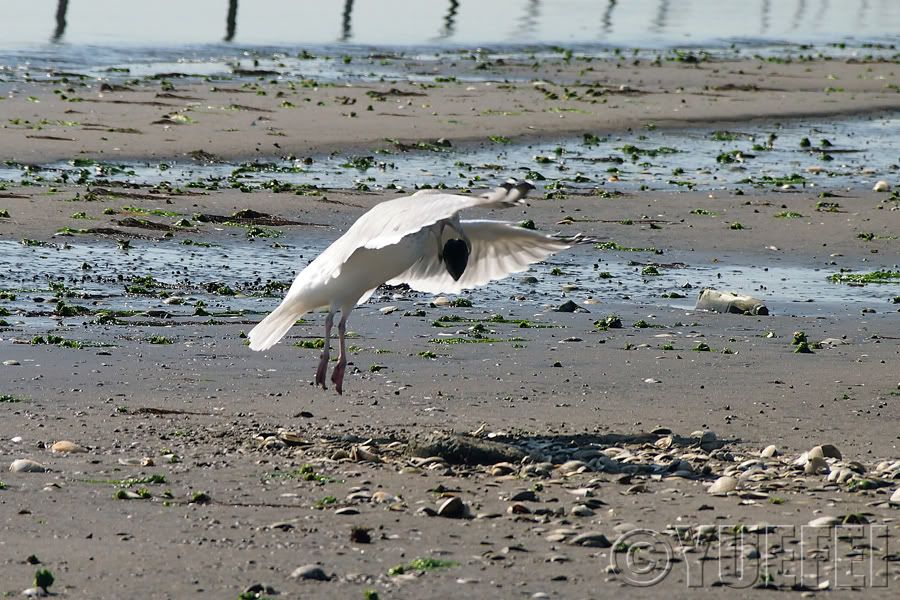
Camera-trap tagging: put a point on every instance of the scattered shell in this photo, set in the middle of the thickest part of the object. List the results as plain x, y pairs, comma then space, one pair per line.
386, 310
313, 572
67, 447
503, 468
573, 466
664, 443
895, 497
11, 363
26, 465
769, 451
136, 462
830, 451
347, 510
881, 186
723, 485
815, 465
292, 439
452, 508
363, 454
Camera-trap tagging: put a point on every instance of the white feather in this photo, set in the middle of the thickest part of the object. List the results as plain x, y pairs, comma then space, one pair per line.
498, 250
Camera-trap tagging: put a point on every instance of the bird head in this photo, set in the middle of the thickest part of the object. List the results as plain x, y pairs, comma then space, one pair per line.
455, 256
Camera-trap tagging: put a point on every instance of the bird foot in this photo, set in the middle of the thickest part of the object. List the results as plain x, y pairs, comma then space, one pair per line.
337, 377
322, 370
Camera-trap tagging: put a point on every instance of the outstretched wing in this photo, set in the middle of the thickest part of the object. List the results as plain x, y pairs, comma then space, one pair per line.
389, 222
498, 249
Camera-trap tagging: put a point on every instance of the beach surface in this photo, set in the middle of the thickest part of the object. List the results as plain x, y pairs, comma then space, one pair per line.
199, 468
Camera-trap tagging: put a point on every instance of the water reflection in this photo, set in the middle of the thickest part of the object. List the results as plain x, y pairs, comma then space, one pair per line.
60, 30
607, 17
231, 20
449, 21
346, 19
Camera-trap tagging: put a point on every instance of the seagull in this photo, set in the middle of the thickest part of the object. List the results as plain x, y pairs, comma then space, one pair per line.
418, 240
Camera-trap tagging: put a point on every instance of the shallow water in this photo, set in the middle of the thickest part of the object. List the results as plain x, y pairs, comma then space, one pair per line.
861, 152
201, 37
97, 274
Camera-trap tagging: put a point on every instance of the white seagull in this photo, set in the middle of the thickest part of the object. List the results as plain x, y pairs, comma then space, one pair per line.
418, 240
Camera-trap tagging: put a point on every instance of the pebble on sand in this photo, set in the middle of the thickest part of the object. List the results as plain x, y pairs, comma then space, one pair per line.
881, 186
26, 465
723, 485
825, 522
313, 572
67, 447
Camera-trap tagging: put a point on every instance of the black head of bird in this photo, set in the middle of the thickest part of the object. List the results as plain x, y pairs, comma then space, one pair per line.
455, 256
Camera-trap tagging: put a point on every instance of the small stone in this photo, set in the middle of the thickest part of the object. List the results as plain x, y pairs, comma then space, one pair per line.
381, 497
67, 447
580, 510
895, 497
441, 301
769, 451
517, 508
825, 522
386, 310
34, 592
11, 363
347, 510
881, 186
524, 496
452, 508
723, 485
26, 465
313, 572
593, 539
570, 307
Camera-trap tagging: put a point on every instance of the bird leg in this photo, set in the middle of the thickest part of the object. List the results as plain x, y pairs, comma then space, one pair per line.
337, 377
323, 360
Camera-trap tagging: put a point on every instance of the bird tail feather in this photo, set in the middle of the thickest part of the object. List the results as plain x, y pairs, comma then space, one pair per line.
271, 329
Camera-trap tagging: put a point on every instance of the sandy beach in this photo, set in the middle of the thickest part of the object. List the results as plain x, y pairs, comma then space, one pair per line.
202, 469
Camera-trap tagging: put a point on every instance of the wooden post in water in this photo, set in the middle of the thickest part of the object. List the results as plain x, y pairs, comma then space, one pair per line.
61, 7
231, 20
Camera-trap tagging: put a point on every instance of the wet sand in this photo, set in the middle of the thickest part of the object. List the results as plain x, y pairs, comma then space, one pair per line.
231, 120
205, 412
